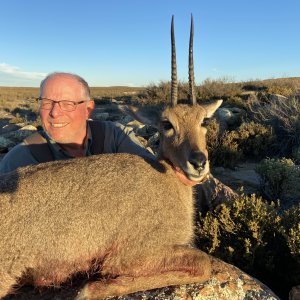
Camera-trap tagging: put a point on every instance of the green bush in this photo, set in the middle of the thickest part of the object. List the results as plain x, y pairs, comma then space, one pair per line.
253, 235
249, 141
279, 177
255, 140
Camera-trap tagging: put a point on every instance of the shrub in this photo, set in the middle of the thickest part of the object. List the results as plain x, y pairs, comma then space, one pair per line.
17, 119
236, 101
284, 116
255, 140
219, 88
279, 177
161, 93
250, 140
251, 234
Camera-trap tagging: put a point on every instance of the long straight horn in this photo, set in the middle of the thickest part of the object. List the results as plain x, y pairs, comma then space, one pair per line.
174, 85
191, 95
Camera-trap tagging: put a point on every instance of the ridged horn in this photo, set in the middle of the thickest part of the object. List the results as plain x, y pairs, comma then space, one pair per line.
174, 85
191, 95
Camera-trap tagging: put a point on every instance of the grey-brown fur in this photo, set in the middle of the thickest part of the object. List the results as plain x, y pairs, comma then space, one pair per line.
126, 215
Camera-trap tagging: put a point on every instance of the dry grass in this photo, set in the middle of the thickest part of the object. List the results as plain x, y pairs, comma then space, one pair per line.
19, 100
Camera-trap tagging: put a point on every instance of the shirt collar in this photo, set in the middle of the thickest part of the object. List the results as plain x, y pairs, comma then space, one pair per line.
59, 153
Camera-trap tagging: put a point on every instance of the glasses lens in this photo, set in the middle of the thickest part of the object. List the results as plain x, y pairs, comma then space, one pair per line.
45, 103
67, 105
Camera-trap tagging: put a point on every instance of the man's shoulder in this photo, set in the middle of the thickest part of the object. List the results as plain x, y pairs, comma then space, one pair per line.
109, 127
18, 156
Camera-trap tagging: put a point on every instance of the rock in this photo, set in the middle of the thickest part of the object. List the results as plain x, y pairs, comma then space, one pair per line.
228, 115
29, 128
19, 135
211, 193
8, 128
5, 144
244, 175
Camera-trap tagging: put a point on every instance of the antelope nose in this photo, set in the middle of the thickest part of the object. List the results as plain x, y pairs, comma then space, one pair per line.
197, 160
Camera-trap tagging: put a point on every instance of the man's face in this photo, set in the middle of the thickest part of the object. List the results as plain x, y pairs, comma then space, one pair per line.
62, 126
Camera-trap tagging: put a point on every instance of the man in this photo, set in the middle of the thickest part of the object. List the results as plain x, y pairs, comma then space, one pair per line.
65, 107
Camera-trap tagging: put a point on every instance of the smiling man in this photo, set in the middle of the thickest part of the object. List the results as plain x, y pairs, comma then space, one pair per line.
65, 106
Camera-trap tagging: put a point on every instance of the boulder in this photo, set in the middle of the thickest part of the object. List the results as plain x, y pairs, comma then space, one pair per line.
244, 175
228, 116
17, 136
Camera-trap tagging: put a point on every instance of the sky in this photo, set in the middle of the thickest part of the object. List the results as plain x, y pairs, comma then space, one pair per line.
127, 42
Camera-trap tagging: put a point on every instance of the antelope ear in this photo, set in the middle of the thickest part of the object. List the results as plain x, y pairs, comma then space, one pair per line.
212, 107
145, 115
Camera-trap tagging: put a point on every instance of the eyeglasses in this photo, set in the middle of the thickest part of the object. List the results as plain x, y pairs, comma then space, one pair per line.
64, 105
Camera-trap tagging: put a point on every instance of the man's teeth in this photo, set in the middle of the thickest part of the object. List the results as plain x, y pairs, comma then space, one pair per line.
58, 125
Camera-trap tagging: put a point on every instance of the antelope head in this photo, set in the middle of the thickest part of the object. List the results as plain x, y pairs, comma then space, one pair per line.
182, 135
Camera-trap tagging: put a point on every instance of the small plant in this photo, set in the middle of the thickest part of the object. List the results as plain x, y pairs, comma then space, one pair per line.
255, 140
279, 177
236, 101
255, 236
250, 140
17, 119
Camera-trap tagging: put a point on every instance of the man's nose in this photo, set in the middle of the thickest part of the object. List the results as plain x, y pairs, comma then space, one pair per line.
56, 110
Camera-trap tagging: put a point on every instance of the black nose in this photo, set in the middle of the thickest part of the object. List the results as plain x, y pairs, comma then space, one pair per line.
198, 160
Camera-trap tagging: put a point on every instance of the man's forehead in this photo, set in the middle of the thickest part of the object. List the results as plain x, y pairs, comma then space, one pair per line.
63, 83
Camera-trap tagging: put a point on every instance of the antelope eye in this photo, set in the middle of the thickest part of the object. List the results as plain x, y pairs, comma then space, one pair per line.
166, 125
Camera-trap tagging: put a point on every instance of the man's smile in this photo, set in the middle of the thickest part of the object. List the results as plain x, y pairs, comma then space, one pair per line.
58, 125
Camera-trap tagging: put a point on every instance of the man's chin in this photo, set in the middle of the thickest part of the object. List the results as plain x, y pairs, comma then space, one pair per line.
57, 138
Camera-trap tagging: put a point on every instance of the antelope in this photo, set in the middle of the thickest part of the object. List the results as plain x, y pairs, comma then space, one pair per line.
128, 218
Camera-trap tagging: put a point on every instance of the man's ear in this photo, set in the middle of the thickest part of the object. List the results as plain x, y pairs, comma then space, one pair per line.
90, 107
143, 114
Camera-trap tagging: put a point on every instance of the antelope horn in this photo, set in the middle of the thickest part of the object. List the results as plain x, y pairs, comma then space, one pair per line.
174, 85
191, 66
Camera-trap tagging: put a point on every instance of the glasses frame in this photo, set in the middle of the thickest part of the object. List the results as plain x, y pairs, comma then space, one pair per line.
75, 103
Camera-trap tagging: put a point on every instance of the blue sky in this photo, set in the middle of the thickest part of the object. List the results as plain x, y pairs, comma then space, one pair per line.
127, 42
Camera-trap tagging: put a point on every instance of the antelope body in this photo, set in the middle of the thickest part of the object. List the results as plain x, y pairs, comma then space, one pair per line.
121, 215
